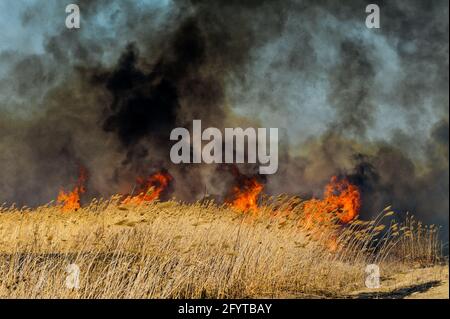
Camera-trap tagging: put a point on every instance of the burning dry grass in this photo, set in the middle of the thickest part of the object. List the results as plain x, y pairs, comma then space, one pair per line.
175, 250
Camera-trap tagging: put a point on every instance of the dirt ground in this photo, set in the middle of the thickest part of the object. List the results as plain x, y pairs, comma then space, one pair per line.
422, 283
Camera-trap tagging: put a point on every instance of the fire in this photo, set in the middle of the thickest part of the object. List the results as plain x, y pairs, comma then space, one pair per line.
341, 202
245, 197
340, 198
71, 201
150, 189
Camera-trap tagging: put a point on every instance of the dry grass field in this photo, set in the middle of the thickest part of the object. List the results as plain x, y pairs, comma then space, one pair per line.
203, 250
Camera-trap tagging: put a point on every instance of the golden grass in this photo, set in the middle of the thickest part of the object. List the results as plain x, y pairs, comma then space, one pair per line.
202, 250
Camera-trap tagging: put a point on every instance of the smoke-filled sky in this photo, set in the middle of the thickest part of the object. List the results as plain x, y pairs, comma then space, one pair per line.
367, 104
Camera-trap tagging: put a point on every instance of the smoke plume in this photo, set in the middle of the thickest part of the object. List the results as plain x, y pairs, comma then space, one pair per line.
367, 104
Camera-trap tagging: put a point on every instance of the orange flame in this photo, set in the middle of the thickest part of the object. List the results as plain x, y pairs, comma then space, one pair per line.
245, 194
71, 201
340, 198
150, 189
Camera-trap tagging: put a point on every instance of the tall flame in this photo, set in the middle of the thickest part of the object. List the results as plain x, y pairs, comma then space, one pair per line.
245, 197
71, 201
340, 198
150, 188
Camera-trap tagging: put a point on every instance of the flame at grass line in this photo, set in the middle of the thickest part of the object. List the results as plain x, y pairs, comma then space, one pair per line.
150, 189
341, 204
245, 197
341, 199
71, 201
